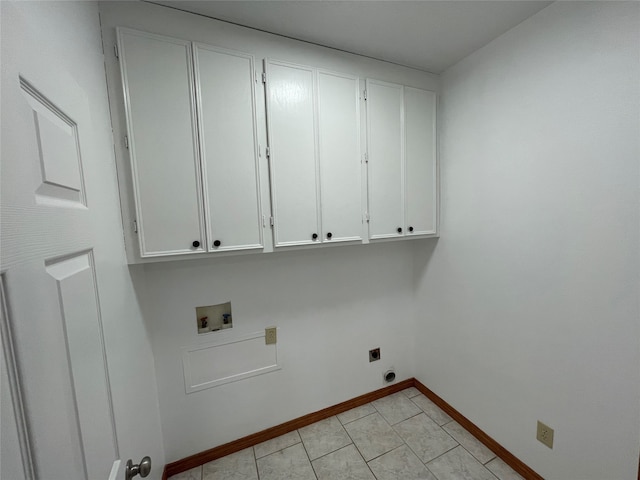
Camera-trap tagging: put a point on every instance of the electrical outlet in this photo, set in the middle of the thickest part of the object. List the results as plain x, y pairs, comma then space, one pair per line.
270, 336
374, 355
545, 434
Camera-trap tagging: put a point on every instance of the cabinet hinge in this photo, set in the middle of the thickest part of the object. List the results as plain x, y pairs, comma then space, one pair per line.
135, 226
366, 157
366, 217
264, 77
364, 94
126, 142
115, 51
271, 222
268, 151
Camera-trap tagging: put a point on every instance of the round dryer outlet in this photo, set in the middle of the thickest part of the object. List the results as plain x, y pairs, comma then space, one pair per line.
389, 376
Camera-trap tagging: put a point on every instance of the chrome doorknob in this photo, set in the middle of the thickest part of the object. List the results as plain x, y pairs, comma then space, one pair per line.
142, 469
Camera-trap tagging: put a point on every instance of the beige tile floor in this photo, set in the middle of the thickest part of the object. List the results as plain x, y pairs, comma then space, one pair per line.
404, 436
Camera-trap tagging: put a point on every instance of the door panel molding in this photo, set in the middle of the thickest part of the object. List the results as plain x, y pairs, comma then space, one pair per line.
81, 322
13, 372
59, 151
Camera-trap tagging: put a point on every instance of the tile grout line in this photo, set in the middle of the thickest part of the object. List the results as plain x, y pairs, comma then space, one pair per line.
328, 453
359, 418
440, 427
437, 423
313, 470
392, 450
476, 459
395, 431
362, 457
469, 451
451, 449
495, 475
275, 451
404, 443
438, 456
392, 426
408, 418
354, 443
332, 451
351, 438
429, 470
255, 460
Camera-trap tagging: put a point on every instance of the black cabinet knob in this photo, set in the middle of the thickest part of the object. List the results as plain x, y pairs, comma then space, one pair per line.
217, 243
329, 235
399, 230
411, 229
314, 236
196, 243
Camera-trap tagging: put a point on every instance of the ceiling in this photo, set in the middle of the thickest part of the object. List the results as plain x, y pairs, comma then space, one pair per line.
428, 35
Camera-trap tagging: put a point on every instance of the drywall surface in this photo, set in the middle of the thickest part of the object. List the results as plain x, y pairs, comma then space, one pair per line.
527, 308
330, 307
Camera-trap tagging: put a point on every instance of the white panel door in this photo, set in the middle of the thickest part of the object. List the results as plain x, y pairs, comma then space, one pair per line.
157, 77
340, 160
228, 141
50, 314
420, 161
293, 164
385, 147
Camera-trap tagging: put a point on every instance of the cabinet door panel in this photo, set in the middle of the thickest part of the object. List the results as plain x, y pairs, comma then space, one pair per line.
228, 142
157, 80
340, 167
420, 145
385, 168
291, 115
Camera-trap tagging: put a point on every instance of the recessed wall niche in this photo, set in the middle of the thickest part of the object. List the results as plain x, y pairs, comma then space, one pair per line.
212, 318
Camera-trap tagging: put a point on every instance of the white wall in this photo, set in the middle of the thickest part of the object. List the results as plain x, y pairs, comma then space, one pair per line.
527, 308
330, 305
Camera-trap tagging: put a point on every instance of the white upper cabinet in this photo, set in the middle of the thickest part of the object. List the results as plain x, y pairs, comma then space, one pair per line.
315, 163
214, 162
158, 89
340, 158
291, 116
385, 134
225, 83
402, 169
193, 144
420, 165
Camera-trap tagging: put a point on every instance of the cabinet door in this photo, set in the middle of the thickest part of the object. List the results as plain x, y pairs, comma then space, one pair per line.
340, 161
385, 168
292, 143
157, 80
228, 142
420, 161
